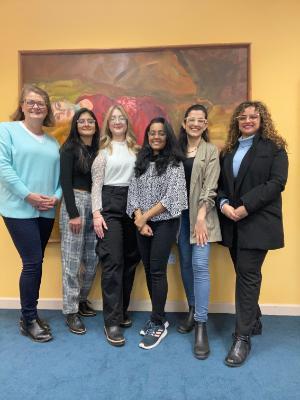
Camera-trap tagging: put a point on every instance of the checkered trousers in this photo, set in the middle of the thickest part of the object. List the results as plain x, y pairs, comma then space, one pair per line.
79, 259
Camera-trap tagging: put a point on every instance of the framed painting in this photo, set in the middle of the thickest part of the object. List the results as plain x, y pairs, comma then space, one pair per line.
148, 82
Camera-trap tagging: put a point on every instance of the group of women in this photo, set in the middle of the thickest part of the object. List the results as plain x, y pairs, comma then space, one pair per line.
122, 203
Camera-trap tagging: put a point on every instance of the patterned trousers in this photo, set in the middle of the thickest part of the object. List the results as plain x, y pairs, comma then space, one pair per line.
79, 259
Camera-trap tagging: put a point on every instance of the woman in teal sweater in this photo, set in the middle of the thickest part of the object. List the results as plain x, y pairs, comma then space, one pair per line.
29, 192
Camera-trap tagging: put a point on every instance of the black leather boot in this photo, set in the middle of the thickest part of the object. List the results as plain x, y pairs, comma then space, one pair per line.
127, 321
34, 331
85, 310
114, 335
42, 323
75, 324
201, 348
239, 351
188, 323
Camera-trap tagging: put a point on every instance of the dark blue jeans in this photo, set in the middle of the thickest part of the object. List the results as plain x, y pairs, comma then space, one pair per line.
30, 237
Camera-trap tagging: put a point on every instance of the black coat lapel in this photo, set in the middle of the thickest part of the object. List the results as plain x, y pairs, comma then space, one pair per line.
227, 167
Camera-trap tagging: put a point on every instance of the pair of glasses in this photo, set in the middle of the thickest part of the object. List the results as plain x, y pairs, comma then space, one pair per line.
31, 103
86, 121
120, 119
160, 134
244, 118
193, 121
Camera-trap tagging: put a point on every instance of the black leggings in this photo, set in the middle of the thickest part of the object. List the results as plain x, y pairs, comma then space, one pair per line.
155, 251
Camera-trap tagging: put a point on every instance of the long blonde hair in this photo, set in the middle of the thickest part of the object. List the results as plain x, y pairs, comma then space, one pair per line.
267, 128
18, 115
106, 135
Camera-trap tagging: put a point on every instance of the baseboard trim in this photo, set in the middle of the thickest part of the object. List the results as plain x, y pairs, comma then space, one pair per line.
171, 306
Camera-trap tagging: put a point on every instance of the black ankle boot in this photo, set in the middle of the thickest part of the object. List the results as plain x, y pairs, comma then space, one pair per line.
239, 351
201, 348
34, 331
188, 323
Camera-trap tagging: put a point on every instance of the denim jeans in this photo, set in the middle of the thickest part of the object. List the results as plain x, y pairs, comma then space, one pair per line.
194, 270
30, 237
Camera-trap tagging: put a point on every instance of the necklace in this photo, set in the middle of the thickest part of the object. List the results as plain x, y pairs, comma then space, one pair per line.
193, 150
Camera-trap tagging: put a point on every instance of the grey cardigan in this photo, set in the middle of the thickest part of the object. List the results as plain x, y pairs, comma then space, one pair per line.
204, 183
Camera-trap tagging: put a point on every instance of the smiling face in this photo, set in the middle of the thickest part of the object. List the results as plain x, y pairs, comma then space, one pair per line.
86, 126
195, 124
117, 125
157, 137
34, 107
249, 122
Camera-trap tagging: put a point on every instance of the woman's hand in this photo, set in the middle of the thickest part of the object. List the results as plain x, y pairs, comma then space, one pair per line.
140, 221
39, 201
48, 204
146, 230
75, 225
99, 226
241, 212
200, 232
230, 212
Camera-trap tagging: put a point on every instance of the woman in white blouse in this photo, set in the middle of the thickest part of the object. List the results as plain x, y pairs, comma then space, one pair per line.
112, 171
156, 197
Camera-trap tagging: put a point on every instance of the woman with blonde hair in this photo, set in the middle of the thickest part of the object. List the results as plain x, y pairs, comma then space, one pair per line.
112, 171
29, 192
254, 167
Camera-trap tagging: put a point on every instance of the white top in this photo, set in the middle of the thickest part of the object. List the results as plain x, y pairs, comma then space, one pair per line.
39, 138
119, 164
114, 168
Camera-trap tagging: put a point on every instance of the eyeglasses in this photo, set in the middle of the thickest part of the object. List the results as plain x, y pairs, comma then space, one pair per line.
159, 133
86, 121
120, 119
193, 121
31, 103
244, 118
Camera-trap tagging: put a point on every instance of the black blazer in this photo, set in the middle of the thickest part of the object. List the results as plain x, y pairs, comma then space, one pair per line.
261, 179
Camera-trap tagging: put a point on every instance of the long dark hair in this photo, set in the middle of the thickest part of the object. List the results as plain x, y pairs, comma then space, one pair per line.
74, 142
182, 140
169, 154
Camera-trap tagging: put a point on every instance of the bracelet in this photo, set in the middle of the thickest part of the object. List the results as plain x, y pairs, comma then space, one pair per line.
98, 217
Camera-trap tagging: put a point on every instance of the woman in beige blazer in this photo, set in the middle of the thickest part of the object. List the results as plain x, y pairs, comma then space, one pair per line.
199, 224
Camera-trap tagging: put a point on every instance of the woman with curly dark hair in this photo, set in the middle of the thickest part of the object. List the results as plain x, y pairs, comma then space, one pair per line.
156, 197
254, 167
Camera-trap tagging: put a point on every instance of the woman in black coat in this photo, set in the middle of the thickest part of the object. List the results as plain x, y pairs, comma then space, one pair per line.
254, 167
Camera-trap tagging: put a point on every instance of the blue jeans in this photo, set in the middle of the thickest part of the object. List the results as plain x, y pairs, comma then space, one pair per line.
194, 270
30, 237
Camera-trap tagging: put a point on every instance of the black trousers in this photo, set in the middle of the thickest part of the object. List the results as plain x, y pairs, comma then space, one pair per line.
30, 237
155, 251
118, 254
247, 264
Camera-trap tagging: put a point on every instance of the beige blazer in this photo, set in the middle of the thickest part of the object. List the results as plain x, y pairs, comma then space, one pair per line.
204, 183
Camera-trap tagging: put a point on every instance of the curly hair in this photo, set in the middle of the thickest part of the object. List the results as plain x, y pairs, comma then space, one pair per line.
106, 135
170, 154
267, 128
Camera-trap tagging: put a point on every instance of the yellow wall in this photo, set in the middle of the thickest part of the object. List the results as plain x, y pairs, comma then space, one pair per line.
273, 29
